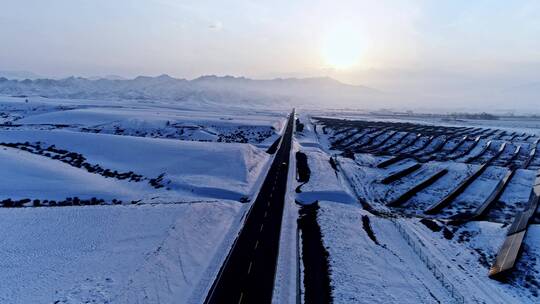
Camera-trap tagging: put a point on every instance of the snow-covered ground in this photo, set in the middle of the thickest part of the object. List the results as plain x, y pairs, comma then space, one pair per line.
176, 181
362, 269
153, 194
112, 254
470, 249
404, 254
378, 269
161, 120
324, 182
25, 175
192, 170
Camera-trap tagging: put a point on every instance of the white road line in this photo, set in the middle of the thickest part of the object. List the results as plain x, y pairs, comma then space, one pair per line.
265, 213
241, 296
249, 268
262, 225
256, 244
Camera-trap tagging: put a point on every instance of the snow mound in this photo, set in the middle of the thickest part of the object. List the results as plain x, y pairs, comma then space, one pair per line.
191, 169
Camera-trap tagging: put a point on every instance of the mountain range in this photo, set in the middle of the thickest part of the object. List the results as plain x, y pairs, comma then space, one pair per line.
321, 92
210, 89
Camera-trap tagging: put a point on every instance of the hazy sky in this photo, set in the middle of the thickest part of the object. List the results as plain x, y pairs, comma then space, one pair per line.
405, 45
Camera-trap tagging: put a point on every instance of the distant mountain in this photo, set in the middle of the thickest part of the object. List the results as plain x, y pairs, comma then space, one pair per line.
208, 89
19, 75
108, 77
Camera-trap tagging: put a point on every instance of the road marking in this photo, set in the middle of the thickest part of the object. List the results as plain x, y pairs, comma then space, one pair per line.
241, 296
262, 225
249, 268
270, 194
268, 204
256, 244
265, 213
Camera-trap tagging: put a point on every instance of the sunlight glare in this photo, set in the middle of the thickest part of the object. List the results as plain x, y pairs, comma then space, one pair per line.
342, 47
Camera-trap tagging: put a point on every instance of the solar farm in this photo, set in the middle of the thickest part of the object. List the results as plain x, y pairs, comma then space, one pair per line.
452, 174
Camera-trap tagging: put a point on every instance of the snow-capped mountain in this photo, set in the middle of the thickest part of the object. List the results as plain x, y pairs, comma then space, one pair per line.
214, 89
19, 75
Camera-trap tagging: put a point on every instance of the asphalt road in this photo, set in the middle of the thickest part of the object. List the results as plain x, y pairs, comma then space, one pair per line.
247, 276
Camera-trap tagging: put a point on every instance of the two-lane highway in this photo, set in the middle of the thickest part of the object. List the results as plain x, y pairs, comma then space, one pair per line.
247, 276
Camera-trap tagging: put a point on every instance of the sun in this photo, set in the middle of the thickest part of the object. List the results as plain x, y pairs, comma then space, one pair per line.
341, 47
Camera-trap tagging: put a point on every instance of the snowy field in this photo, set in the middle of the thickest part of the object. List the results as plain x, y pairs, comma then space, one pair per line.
189, 170
132, 151
112, 254
124, 201
139, 202
377, 269
145, 119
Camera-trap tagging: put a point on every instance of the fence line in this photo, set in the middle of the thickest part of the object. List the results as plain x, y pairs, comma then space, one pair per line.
414, 243
418, 248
